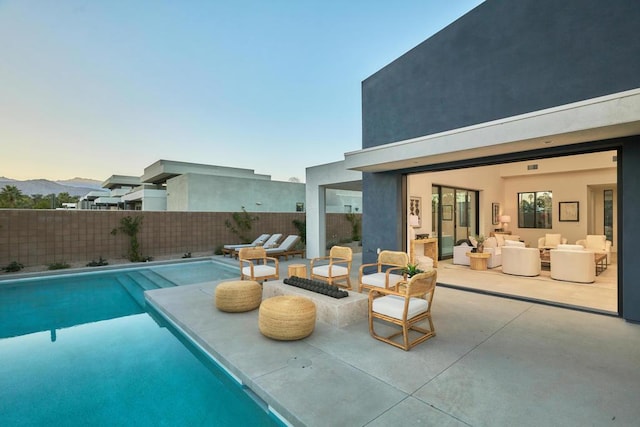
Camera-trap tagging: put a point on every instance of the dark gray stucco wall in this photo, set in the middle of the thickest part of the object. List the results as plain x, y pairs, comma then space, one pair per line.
382, 217
502, 59
630, 235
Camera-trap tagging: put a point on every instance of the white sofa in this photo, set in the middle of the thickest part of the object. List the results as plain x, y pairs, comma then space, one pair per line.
490, 247
573, 263
520, 260
597, 243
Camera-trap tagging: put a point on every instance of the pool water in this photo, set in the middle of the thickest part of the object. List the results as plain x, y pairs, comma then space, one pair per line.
82, 350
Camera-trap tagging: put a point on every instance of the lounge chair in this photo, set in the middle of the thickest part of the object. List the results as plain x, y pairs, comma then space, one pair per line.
333, 268
389, 271
260, 240
286, 248
256, 265
271, 242
405, 306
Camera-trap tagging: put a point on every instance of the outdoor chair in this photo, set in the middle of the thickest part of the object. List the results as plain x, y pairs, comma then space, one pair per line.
268, 243
597, 243
333, 268
405, 306
256, 265
259, 241
389, 271
286, 248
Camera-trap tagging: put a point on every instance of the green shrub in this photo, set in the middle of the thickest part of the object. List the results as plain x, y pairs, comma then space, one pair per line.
13, 267
98, 263
58, 265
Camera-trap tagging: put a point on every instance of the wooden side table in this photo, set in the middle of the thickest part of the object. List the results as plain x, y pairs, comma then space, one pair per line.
298, 270
429, 248
478, 260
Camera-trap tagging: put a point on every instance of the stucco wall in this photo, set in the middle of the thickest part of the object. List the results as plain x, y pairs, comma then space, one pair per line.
204, 193
502, 59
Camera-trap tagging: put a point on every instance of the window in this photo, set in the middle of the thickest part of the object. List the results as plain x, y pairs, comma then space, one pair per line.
535, 209
608, 214
299, 207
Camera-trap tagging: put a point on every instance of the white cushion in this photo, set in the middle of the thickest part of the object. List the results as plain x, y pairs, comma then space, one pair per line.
393, 306
336, 270
378, 279
596, 242
259, 271
514, 243
424, 262
511, 237
552, 239
500, 239
491, 242
566, 247
473, 241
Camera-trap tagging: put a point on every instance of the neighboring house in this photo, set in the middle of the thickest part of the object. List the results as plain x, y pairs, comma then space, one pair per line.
510, 85
179, 186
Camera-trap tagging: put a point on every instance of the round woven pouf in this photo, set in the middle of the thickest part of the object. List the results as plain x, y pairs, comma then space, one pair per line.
287, 317
238, 295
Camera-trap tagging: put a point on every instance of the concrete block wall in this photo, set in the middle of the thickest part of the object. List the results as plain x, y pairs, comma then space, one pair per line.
40, 237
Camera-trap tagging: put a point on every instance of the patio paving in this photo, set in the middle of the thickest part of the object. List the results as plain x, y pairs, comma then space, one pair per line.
495, 361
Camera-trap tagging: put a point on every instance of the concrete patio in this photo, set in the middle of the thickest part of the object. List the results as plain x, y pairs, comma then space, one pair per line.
495, 361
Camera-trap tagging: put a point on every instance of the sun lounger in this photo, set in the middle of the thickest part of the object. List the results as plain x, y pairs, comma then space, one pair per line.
260, 240
270, 243
286, 248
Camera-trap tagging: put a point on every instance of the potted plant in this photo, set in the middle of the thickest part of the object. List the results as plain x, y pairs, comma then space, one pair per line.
411, 270
480, 243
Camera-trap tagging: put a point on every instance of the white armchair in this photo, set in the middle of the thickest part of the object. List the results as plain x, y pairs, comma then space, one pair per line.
598, 244
573, 265
520, 260
551, 241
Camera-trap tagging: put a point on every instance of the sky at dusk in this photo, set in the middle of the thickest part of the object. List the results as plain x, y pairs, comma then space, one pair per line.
98, 88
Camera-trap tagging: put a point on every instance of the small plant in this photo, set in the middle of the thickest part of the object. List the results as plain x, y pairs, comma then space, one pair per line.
131, 226
13, 267
301, 226
187, 255
146, 259
356, 222
242, 224
411, 270
58, 266
98, 263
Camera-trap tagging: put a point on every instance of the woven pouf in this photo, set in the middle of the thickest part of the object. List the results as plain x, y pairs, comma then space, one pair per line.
287, 317
238, 295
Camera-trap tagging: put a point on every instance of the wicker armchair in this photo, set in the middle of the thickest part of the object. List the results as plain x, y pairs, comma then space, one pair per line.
256, 265
406, 306
389, 271
333, 268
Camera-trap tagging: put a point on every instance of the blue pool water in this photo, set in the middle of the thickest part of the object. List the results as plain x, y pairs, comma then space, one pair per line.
82, 350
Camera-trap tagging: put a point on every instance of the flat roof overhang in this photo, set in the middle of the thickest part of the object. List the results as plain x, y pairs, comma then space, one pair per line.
612, 116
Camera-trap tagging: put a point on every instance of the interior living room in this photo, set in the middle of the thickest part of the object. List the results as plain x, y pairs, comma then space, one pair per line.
571, 196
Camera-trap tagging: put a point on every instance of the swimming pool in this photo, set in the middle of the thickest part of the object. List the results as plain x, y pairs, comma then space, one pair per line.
81, 349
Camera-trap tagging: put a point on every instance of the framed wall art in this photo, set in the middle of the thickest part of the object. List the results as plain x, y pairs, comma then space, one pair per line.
495, 213
569, 211
415, 208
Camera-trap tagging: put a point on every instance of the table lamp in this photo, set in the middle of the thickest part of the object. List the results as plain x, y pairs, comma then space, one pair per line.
505, 220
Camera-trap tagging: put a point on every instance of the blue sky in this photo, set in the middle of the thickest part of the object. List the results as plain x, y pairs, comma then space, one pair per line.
97, 88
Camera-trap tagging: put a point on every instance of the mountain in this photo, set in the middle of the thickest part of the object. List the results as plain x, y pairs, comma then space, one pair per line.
74, 186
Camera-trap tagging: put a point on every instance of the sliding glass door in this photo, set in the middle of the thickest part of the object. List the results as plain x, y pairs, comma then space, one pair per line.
455, 216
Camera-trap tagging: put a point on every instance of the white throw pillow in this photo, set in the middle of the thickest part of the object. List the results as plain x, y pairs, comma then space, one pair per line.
473, 241
500, 239
514, 243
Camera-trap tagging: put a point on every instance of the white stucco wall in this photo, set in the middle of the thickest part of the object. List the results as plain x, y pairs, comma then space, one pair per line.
207, 193
318, 179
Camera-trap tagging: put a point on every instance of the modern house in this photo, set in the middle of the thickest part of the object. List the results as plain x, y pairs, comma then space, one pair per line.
190, 187
528, 110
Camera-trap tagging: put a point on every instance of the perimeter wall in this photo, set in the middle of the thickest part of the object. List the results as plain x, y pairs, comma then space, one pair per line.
40, 237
